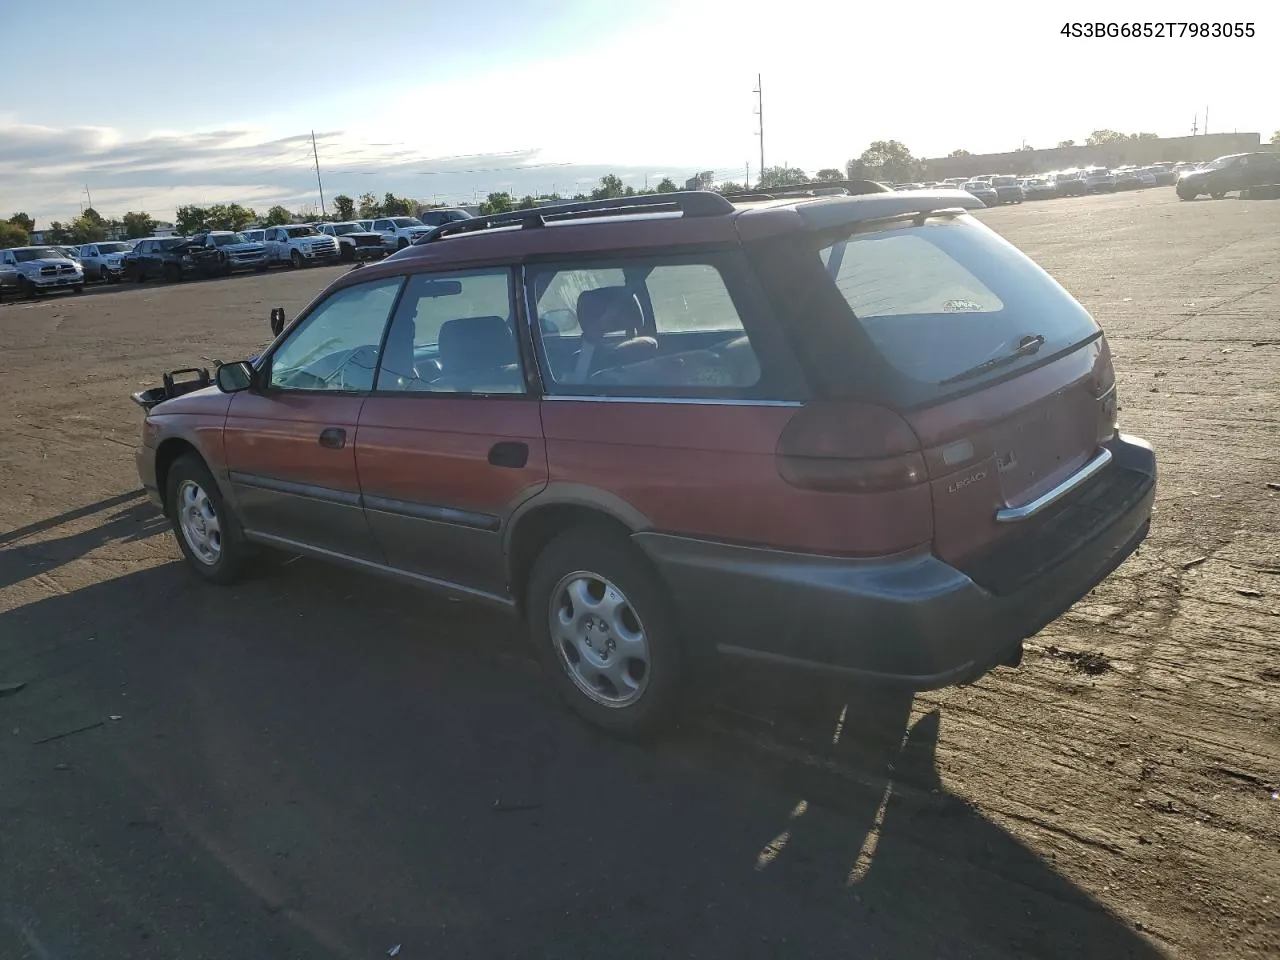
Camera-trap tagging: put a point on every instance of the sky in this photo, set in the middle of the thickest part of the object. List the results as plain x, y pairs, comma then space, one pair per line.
158, 105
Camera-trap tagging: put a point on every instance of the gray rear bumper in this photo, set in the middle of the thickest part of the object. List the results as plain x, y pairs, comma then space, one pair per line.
910, 621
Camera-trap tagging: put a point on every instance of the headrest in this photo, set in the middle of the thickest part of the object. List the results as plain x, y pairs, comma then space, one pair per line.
608, 310
476, 344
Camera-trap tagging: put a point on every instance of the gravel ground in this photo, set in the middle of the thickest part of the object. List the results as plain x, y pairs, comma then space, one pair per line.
316, 764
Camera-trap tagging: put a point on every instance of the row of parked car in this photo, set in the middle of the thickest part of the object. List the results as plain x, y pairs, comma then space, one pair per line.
1215, 178
30, 271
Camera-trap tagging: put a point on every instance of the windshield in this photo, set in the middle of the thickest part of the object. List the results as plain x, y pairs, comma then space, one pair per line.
1005, 181
340, 228
1218, 164
113, 248
172, 243
27, 254
939, 298
302, 231
223, 239
406, 221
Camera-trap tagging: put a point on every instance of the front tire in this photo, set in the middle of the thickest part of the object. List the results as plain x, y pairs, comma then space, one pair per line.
295, 260
206, 530
604, 629
27, 289
402, 244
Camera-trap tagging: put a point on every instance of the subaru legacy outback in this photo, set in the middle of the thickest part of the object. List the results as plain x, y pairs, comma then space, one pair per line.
859, 434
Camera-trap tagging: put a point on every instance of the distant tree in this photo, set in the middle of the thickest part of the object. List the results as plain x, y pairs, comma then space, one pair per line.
190, 219
829, 173
885, 159
344, 208
781, 176
666, 185
27, 224
610, 186
393, 206
959, 153
1100, 138
277, 216
1025, 148
1275, 138
89, 227
498, 203
137, 225
58, 233
368, 206
527, 202
228, 216
1065, 143
13, 234
730, 186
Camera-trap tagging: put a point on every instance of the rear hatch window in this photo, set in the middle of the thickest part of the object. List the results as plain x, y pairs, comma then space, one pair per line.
949, 305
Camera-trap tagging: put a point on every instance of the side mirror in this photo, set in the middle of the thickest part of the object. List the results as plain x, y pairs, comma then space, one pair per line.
277, 321
234, 377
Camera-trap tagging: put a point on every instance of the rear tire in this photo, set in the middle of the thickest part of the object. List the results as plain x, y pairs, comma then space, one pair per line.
207, 532
614, 654
78, 288
171, 272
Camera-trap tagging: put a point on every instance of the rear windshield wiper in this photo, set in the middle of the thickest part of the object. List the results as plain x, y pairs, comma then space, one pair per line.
1026, 346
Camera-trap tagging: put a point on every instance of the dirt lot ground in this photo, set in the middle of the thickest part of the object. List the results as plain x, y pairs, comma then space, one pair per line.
316, 764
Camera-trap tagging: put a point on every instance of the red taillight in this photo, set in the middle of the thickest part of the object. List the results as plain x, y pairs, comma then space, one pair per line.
849, 448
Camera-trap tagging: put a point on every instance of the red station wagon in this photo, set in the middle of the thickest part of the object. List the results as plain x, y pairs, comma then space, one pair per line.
859, 434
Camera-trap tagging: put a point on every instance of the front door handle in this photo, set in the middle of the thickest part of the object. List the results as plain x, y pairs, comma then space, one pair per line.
334, 438
509, 454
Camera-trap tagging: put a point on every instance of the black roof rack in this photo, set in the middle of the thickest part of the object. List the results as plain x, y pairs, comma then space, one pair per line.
691, 203
814, 188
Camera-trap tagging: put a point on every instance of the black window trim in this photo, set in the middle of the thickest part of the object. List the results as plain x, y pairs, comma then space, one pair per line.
781, 378
532, 385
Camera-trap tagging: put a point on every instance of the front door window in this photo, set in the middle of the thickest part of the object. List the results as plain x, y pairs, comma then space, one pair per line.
336, 346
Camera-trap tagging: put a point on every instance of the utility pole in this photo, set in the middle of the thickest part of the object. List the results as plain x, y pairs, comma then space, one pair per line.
316, 153
1206, 120
747, 180
90, 195
759, 92
1195, 124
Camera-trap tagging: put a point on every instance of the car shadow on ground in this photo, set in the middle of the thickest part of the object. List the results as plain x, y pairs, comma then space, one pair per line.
347, 763
22, 558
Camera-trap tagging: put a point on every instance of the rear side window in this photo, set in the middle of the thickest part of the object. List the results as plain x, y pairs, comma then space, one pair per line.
641, 328
940, 299
454, 333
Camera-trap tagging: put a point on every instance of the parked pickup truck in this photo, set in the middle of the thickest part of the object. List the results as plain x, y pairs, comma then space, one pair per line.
234, 250
29, 271
398, 232
354, 241
104, 260
171, 258
299, 245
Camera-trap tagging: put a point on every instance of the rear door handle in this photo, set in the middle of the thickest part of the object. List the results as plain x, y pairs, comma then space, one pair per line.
334, 438
509, 454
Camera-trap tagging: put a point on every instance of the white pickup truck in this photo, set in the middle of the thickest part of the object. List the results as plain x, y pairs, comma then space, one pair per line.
399, 232
300, 245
